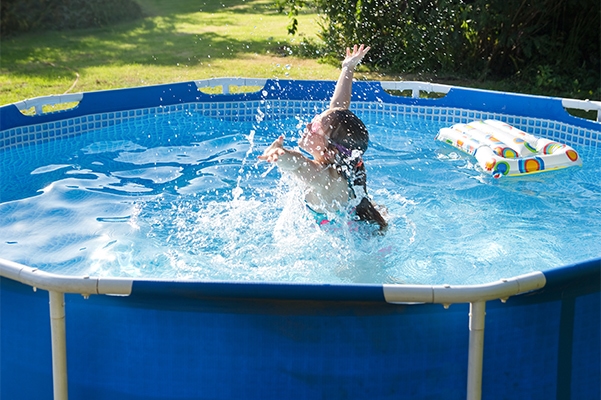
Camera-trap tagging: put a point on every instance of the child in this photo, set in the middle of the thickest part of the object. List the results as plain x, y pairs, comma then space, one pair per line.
336, 139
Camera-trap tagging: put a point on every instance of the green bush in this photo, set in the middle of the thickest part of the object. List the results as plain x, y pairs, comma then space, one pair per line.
420, 36
27, 15
550, 44
515, 34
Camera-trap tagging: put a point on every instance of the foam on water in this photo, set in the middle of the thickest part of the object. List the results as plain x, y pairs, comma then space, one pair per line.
184, 197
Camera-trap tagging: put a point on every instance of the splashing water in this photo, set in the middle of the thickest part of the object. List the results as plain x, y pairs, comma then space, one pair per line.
182, 196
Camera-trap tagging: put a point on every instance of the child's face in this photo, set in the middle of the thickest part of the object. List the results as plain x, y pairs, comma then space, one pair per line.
315, 137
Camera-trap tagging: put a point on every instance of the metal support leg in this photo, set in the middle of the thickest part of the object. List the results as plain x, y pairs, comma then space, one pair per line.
59, 345
476, 350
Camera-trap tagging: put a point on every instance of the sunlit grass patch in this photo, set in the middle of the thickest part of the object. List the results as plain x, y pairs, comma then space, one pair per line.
178, 41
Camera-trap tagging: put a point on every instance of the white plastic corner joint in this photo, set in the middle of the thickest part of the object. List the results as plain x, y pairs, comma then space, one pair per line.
449, 294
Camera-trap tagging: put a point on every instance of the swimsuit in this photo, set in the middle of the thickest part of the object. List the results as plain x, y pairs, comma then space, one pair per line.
320, 218
324, 219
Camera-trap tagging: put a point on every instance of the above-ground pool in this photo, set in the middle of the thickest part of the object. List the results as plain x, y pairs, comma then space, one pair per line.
219, 283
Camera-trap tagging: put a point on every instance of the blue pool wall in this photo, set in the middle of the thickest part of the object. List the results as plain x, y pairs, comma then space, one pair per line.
542, 116
198, 340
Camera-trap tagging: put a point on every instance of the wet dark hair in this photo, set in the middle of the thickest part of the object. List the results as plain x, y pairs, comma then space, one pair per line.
350, 138
346, 129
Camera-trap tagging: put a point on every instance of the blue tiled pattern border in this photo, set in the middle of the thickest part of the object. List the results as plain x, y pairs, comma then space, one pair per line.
244, 111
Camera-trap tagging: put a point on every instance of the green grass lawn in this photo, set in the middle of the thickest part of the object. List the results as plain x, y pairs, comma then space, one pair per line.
177, 41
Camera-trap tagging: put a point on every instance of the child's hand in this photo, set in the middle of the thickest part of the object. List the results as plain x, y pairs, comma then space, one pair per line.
273, 152
353, 58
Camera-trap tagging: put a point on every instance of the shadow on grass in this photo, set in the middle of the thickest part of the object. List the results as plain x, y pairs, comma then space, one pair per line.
158, 7
153, 41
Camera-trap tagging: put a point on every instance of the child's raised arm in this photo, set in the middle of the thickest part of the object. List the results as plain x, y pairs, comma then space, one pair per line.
342, 92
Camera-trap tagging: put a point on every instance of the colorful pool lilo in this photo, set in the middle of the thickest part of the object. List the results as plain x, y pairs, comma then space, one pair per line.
504, 150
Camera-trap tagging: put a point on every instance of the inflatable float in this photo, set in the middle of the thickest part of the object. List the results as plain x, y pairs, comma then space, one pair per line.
504, 150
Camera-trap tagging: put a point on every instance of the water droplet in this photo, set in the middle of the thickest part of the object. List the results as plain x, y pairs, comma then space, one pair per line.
237, 192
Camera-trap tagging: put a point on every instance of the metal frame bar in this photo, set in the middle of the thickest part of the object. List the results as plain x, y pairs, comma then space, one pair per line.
59, 345
227, 82
39, 102
476, 350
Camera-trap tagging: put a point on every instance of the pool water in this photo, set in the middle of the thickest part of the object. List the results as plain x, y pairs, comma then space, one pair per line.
182, 196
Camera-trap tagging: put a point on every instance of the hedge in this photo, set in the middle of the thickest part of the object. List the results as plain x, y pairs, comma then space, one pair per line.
555, 43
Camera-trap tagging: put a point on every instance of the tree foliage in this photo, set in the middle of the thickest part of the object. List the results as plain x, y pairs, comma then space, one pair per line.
554, 43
